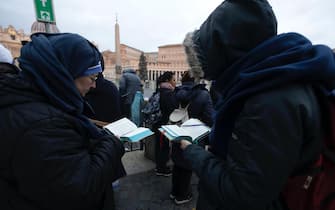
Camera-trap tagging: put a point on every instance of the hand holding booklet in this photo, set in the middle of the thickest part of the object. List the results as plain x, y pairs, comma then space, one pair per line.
192, 130
126, 130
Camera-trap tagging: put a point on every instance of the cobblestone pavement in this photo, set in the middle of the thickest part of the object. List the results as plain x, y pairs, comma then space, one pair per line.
143, 190
146, 191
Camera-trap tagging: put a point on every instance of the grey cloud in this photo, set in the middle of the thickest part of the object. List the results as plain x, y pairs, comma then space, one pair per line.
148, 24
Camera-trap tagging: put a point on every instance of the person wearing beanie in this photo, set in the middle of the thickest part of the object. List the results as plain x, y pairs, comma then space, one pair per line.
52, 155
268, 121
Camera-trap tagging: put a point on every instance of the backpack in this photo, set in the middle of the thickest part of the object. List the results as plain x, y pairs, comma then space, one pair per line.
179, 115
136, 108
315, 189
151, 112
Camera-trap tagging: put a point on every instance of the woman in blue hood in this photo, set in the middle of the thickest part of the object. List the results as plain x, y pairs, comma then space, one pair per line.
52, 156
267, 124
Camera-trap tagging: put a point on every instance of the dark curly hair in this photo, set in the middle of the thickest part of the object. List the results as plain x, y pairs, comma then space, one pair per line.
165, 77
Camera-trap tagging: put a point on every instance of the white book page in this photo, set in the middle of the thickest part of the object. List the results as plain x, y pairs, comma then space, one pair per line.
192, 122
175, 131
195, 128
135, 132
196, 131
121, 127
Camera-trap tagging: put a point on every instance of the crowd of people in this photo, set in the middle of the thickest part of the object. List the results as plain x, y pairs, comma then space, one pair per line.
263, 109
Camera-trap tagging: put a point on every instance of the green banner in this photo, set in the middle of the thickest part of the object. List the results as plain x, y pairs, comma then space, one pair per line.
44, 11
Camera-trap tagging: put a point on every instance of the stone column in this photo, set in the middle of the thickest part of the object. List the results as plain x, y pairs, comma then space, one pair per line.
118, 67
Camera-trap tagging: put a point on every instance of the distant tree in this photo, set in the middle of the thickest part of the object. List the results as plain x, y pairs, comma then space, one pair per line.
142, 66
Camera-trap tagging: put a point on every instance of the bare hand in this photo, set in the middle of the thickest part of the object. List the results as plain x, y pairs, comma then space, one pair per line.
184, 144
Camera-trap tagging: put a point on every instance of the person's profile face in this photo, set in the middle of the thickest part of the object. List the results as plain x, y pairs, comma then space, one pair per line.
85, 83
173, 81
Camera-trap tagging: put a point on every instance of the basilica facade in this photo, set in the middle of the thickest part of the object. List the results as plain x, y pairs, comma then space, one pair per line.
12, 39
168, 58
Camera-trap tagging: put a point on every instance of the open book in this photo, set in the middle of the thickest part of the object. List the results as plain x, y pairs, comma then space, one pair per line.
192, 130
126, 130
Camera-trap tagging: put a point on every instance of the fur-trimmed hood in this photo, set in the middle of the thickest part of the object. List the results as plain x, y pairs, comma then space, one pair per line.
191, 49
233, 29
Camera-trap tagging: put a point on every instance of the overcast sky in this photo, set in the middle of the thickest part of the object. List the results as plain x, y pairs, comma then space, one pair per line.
147, 24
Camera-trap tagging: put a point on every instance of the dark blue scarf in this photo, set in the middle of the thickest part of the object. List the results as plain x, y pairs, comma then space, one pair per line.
282, 60
52, 62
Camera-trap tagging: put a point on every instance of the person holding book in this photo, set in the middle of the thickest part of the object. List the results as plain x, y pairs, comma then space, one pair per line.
199, 105
268, 122
166, 84
52, 156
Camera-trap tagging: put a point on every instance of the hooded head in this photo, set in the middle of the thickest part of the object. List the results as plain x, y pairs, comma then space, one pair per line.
53, 62
79, 56
233, 29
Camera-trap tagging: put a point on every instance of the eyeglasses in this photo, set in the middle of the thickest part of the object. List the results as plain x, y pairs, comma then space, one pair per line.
93, 78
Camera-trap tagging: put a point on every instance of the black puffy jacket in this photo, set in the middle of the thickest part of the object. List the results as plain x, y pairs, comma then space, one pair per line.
47, 160
199, 100
168, 102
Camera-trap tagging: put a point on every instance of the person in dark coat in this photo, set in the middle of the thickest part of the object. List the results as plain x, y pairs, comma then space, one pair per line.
267, 124
105, 101
197, 98
129, 84
166, 84
51, 155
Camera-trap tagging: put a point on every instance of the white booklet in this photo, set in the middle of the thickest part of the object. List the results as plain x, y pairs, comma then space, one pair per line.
126, 130
192, 130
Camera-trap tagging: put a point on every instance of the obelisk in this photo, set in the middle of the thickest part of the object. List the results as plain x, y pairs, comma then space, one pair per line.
118, 67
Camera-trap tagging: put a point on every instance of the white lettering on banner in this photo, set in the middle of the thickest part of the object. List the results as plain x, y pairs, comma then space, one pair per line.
44, 2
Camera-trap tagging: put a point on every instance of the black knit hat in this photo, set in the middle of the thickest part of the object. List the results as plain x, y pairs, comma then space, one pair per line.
232, 30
